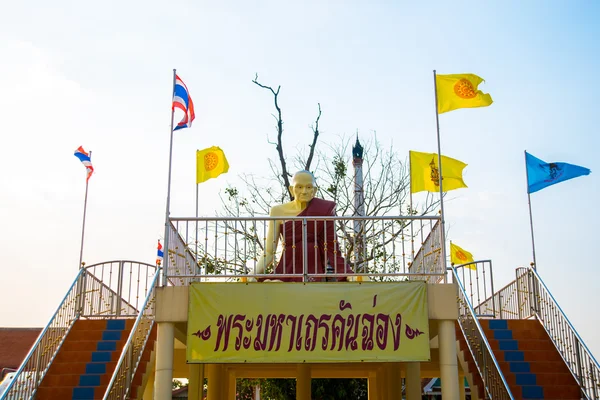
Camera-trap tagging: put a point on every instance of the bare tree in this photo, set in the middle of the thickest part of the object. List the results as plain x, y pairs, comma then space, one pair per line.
284, 173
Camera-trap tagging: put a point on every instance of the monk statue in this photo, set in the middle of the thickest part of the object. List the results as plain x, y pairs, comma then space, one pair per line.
323, 252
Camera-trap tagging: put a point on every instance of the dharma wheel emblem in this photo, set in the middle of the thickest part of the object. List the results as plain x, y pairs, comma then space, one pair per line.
464, 89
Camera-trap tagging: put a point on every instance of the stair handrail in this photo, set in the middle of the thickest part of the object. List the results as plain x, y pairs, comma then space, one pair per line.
578, 358
511, 301
493, 380
122, 377
35, 365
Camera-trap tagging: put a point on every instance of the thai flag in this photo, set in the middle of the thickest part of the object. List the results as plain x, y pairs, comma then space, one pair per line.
183, 101
85, 159
159, 254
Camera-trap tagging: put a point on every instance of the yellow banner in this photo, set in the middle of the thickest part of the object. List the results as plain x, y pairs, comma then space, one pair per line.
316, 322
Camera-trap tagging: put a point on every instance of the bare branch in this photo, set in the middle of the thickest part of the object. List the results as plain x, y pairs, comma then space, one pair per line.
279, 145
315, 130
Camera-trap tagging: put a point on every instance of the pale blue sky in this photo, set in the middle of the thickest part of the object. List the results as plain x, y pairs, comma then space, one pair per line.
99, 75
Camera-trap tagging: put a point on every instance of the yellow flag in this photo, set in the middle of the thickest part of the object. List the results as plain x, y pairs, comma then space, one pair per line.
460, 91
460, 256
210, 163
424, 173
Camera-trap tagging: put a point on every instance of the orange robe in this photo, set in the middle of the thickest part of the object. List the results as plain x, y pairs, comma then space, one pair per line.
322, 245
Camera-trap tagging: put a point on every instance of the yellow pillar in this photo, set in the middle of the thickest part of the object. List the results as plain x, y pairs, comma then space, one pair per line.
303, 380
394, 381
149, 390
448, 361
229, 377
413, 381
163, 380
196, 383
216, 382
372, 386
381, 383
461, 387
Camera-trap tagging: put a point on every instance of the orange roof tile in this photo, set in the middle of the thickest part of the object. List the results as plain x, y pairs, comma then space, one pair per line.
15, 344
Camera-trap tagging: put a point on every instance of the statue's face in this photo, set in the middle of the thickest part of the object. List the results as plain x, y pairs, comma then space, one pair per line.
303, 187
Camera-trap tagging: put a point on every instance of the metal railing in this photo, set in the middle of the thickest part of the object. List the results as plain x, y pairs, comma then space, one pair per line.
33, 369
105, 290
120, 382
180, 261
230, 248
116, 288
478, 280
495, 385
428, 258
513, 301
528, 297
571, 347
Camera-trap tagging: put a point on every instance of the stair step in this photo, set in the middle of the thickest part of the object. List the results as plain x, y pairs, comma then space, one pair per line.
84, 365
528, 355
522, 344
66, 367
543, 379
530, 362
93, 345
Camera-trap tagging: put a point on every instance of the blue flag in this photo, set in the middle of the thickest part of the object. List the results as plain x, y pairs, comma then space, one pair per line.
541, 174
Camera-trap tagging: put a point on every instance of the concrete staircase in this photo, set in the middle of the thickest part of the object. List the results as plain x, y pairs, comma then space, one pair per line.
528, 359
85, 363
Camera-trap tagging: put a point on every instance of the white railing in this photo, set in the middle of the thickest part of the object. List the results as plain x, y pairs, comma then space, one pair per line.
116, 288
513, 301
478, 281
119, 386
528, 297
571, 347
113, 289
33, 369
495, 385
230, 248
428, 259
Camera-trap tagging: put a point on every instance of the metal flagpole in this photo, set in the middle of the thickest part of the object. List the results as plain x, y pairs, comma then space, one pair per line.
84, 213
167, 213
530, 215
437, 121
412, 236
197, 185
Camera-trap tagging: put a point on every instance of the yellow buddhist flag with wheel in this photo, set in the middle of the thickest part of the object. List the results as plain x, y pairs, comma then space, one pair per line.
210, 163
424, 173
460, 256
460, 91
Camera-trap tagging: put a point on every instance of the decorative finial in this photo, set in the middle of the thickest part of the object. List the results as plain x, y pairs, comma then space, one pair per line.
357, 150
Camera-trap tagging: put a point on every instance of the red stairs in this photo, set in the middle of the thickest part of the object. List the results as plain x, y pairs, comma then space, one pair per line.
87, 359
529, 361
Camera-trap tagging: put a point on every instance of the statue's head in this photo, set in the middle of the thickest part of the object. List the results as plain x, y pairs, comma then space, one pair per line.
304, 186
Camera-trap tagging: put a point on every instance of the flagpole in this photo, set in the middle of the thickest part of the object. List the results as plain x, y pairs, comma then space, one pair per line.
84, 213
197, 185
530, 214
168, 211
412, 236
437, 122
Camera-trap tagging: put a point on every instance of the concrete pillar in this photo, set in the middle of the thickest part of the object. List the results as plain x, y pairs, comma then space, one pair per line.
413, 381
216, 384
165, 344
196, 383
303, 381
448, 360
461, 387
